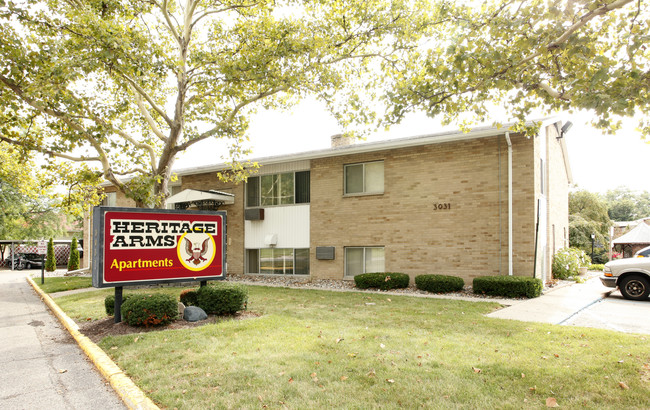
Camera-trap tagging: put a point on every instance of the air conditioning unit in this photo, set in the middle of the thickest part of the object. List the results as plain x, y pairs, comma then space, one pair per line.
325, 253
254, 214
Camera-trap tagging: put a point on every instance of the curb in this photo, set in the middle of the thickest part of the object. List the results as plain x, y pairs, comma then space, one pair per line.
131, 395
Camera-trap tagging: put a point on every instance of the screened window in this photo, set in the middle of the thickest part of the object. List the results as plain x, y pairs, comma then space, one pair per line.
278, 189
279, 261
364, 260
365, 178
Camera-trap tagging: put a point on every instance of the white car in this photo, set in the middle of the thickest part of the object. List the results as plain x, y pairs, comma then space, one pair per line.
631, 275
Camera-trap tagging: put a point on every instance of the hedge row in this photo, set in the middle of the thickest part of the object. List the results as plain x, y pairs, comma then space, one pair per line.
439, 283
383, 281
508, 286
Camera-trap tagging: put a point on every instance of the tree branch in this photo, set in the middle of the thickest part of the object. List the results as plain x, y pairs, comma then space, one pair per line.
170, 25
145, 113
217, 11
132, 171
49, 151
580, 23
146, 96
230, 117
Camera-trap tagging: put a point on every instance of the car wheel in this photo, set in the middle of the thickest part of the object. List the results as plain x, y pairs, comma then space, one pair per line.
20, 266
28, 265
634, 287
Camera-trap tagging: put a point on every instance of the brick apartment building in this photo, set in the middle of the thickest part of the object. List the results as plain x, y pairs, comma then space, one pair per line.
487, 202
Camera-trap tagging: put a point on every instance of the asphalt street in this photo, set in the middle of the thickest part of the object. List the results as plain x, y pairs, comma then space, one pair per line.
41, 366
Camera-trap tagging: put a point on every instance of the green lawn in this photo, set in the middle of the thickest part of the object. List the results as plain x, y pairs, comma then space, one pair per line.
59, 284
320, 349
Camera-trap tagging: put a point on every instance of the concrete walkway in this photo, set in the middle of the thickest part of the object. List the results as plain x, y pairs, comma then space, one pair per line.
41, 365
558, 306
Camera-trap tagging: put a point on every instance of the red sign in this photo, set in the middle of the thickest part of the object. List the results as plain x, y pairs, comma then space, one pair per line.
151, 245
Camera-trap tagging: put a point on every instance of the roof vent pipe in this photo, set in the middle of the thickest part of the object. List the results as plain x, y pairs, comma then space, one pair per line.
509, 203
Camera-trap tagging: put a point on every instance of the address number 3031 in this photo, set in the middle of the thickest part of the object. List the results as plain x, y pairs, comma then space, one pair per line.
441, 206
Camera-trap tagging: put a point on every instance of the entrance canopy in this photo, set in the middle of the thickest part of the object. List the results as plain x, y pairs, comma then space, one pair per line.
203, 200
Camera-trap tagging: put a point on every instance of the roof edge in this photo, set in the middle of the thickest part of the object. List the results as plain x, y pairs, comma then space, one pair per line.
417, 140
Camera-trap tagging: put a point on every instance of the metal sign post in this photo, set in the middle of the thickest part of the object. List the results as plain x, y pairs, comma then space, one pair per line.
42, 250
117, 307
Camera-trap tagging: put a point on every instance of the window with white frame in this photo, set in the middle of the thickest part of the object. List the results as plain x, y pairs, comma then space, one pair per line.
364, 178
110, 199
278, 189
278, 261
360, 260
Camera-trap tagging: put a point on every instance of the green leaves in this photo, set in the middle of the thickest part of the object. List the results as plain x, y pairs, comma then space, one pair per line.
132, 83
553, 56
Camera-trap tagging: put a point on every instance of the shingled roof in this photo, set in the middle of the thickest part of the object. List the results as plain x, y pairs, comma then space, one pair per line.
640, 234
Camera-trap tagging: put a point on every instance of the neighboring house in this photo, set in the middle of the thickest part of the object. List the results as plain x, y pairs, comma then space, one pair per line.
487, 202
628, 241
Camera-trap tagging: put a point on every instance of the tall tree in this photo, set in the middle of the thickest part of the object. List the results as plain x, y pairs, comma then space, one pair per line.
26, 209
131, 84
627, 205
531, 54
588, 216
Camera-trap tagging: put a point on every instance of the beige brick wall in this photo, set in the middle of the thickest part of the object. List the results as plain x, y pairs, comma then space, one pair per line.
469, 240
558, 196
234, 215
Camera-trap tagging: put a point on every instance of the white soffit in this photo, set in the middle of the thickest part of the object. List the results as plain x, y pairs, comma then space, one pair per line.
194, 195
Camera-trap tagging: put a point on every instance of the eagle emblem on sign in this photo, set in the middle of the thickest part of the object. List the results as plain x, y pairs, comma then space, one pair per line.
195, 251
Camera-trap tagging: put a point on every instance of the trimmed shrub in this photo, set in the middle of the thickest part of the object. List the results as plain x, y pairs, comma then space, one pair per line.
383, 281
508, 286
50, 260
439, 283
222, 298
567, 262
109, 303
150, 310
73, 261
189, 297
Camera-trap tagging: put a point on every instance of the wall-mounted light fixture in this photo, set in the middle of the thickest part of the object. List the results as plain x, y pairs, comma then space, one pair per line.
565, 128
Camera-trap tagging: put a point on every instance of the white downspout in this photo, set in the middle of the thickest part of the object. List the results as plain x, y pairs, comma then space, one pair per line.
509, 203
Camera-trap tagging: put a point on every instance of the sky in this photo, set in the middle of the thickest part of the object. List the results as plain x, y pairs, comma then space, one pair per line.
598, 162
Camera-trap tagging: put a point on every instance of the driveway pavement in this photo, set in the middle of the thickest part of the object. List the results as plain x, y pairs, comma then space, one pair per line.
588, 304
41, 366
615, 313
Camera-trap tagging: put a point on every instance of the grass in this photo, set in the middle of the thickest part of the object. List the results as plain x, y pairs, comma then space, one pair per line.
59, 284
320, 349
